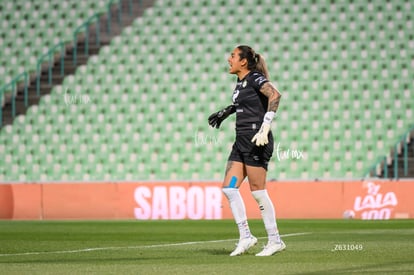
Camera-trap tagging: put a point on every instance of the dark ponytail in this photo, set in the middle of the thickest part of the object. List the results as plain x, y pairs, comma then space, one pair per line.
255, 62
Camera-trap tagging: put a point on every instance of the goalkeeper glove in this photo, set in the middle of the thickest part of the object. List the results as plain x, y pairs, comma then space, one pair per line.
214, 120
261, 137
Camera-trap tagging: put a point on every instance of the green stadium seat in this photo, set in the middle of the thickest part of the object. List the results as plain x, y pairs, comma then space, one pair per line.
30, 28
152, 89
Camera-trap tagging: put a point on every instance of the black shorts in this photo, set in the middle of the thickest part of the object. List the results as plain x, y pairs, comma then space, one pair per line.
248, 153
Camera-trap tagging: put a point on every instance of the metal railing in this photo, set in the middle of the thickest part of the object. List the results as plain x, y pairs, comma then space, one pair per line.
48, 55
85, 28
13, 85
382, 163
119, 11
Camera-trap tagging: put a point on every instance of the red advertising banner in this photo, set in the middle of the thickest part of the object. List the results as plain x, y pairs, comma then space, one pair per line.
371, 199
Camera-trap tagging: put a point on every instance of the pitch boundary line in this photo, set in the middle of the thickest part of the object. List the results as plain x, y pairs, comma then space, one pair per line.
138, 247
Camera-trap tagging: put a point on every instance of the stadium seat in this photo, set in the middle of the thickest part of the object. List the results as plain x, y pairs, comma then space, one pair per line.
30, 28
343, 72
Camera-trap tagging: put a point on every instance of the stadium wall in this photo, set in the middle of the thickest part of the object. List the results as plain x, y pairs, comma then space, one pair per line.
372, 199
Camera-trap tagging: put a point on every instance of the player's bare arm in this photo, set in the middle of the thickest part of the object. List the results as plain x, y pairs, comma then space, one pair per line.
273, 95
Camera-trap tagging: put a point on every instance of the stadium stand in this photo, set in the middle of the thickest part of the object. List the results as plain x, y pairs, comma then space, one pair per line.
138, 109
30, 28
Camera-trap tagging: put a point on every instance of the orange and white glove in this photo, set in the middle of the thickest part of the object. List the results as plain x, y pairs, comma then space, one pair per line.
261, 137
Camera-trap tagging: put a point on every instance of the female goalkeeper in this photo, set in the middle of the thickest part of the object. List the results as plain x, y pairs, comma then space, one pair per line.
255, 102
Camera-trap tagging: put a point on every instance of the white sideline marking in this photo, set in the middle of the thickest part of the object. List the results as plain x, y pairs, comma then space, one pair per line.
136, 247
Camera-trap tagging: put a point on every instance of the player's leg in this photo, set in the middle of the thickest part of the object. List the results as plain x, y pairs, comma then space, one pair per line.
257, 181
235, 174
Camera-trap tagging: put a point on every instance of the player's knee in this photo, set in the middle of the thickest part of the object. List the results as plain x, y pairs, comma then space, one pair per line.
232, 183
230, 188
256, 186
230, 191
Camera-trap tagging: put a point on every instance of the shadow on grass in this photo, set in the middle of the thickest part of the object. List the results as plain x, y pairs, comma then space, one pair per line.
216, 252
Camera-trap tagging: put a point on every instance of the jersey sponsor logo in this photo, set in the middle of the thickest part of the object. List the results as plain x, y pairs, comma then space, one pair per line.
235, 95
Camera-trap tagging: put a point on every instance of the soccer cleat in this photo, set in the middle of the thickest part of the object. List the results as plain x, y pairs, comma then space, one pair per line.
244, 245
271, 248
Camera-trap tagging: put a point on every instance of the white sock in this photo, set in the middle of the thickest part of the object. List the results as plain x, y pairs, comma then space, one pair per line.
268, 214
239, 211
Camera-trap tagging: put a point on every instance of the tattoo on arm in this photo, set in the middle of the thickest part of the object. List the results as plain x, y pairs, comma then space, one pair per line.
272, 94
273, 104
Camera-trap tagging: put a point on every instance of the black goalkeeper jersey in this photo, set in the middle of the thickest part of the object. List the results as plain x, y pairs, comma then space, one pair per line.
251, 104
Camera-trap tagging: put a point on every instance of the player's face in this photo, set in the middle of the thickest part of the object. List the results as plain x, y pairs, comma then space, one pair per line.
235, 63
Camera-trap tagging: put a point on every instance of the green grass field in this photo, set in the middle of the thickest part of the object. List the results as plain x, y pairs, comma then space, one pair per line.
202, 247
